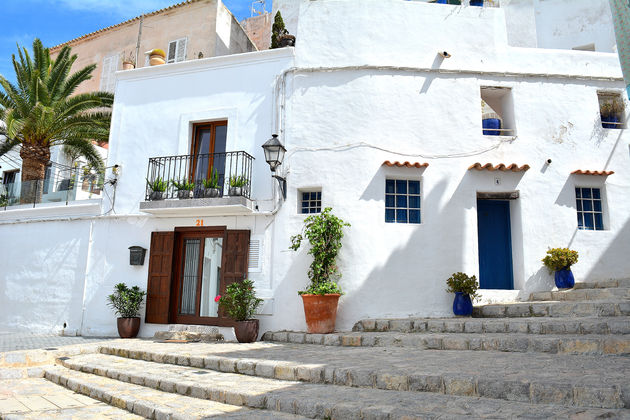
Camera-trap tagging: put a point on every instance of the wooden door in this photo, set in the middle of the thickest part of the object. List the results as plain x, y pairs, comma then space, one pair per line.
159, 282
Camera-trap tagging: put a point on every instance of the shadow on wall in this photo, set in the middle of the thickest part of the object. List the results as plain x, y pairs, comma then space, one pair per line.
613, 262
540, 281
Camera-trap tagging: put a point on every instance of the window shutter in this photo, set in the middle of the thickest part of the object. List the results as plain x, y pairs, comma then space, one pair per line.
108, 77
255, 254
172, 49
181, 50
159, 282
234, 260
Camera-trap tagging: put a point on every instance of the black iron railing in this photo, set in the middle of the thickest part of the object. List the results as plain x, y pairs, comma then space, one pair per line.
210, 175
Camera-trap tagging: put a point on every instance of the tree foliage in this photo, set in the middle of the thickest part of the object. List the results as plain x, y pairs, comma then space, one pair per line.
40, 110
126, 301
239, 300
277, 29
324, 233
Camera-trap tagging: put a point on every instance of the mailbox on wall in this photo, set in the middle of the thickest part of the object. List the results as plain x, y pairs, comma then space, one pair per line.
136, 255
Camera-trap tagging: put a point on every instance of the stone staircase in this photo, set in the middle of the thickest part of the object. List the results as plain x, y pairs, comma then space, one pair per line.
512, 360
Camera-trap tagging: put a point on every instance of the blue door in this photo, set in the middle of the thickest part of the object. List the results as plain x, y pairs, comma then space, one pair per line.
495, 244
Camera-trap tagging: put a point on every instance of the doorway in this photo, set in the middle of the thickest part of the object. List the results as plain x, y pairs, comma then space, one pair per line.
495, 244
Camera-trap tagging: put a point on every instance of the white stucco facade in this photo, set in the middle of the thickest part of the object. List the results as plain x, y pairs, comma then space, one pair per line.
353, 94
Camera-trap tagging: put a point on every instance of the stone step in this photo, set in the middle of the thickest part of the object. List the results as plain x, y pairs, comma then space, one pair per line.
581, 294
585, 381
537, 325
152, 403
554, 309
603, 284
512, 342
188, 336
323, 401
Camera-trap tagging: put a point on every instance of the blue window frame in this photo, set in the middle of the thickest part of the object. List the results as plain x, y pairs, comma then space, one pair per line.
402, 201
311, 202
590, 215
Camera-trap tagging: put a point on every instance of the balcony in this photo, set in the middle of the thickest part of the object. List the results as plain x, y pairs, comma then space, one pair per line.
199, 185
62, 186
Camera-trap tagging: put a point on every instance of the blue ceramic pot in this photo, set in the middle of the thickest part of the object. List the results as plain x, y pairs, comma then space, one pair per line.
476, 3
491, 123
462, 305
611, 119
564, 278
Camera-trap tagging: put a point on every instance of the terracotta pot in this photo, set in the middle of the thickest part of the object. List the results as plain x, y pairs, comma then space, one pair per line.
156, 60
128, 66
287, 40
246, 331
320, 312
128, 327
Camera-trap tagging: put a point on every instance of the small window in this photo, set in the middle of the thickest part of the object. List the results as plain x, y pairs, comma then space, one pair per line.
108, 73
402, 201
177, 50
611, 109
497, 111
311, 202
590, 214
9, 176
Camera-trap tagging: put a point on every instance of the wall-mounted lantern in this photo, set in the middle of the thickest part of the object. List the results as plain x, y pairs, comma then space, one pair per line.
136, 255
274, 155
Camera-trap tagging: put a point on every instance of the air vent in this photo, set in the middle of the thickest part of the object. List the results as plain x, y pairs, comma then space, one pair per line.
255, 254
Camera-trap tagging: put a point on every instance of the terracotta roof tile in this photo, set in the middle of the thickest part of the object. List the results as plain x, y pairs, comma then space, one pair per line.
174, 6
587, 172
500, 167
406, 164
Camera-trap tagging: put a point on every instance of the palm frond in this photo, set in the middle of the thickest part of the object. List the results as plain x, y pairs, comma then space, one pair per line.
82, 147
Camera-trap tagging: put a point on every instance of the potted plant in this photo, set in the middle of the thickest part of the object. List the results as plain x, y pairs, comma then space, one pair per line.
240, 302
157, 57
126, 304
324, 232
465, 289
236, 185
611, 113
211, 185
560, 260
128, 61
490, 120
158, 187
184, 188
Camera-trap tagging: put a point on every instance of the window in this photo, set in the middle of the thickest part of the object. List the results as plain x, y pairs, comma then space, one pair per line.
497, 111
402, 201
611, 109
177, 50
311, 202
108, 74
589, 208
9, 176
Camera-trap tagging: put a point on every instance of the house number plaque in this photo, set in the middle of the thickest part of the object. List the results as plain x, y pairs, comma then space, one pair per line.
199, 222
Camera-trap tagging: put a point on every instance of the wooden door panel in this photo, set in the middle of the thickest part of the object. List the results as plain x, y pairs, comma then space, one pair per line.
160, 274
235, 257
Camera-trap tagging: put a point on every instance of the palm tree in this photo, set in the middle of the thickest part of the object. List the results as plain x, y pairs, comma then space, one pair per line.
40, 112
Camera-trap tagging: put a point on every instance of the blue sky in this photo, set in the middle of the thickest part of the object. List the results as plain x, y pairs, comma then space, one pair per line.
57, 21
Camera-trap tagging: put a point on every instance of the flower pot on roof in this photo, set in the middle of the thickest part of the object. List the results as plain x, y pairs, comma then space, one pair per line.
240, 303
324, 233
128, 61
126, 303
465, 289
559, 262
286, 40
476, 3
157, 57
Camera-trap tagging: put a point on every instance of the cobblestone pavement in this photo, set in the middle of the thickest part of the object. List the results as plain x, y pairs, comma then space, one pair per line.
10, 341
37, 398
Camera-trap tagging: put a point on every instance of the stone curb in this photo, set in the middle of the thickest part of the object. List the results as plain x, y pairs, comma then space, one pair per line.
542, 326
591, 345
487, 386
554, 309
314, 400
604, 284
126, 397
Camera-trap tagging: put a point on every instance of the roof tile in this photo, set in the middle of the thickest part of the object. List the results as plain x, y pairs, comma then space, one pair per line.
500, 167
406, 164
587, 172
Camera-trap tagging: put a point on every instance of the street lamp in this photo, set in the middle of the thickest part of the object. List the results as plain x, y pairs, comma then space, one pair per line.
274, 155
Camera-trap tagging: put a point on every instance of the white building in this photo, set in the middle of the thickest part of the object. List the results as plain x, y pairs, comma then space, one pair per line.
382, 116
